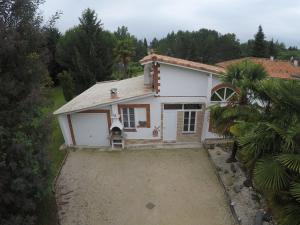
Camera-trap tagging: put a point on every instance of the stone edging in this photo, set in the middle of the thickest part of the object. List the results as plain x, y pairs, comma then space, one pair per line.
233, 212
56, 178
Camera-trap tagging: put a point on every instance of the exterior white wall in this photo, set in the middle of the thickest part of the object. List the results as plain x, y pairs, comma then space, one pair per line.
178, 81
216, 81
64, 126
207, 134
155, 114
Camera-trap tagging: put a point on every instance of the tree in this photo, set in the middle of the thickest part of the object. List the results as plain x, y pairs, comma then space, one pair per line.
86, 51
67, 84
145, 43
207, 46
23, 130
243, 77
270, 145
52, 35
125, 48
259, 47
272, 49
124, 51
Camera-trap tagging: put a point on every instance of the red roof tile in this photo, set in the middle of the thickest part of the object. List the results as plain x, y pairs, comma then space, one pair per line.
275, 68
181, 62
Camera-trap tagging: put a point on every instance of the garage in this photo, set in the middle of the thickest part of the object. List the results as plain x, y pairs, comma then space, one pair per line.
90, 129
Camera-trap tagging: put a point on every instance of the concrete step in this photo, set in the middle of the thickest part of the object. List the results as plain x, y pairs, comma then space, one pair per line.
186, 145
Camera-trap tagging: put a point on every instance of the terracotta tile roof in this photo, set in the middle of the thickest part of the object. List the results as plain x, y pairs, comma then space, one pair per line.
181, 62
275, 68
99, 94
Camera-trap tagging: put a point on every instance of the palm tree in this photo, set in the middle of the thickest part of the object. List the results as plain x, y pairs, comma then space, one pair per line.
271, 145
243, 77
124, 51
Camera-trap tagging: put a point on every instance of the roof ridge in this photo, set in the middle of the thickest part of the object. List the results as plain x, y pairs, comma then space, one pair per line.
181, 62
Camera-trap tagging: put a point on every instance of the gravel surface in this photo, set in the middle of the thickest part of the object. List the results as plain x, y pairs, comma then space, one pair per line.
245, 201
141, 187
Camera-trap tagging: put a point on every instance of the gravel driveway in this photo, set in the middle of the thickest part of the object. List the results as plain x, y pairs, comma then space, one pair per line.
141, 187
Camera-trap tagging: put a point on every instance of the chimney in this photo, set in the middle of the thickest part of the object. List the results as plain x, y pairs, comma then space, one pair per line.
295, 62
114, 93
272, 58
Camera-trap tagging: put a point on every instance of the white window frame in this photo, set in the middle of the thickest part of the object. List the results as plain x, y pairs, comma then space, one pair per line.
189, 123
223, 98
182, 107
128, 118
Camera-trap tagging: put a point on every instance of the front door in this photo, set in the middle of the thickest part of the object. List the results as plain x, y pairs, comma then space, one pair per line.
169, 125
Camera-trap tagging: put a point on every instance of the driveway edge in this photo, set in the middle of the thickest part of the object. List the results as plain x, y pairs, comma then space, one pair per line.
233, 212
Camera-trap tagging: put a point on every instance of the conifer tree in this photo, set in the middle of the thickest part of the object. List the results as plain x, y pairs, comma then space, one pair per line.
259, 47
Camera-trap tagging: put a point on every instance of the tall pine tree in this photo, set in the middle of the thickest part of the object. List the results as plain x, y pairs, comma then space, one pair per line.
86, 52
260, 45
23, 131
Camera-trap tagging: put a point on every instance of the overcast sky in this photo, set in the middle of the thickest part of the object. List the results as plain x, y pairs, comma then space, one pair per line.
280, 19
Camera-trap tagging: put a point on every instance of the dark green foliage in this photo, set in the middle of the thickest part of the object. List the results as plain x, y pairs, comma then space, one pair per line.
52, 37
67, 84
124, 52
274, 140
23, 130
127, 50
140, 48
86, 51
207, 46
264, 48
265, 121
272, 49
243, 77
295, 191
270, 175
290, 214
135, 68
289, 54
260, 45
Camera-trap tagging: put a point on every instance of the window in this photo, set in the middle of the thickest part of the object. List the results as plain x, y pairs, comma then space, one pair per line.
223, 94
189, 123
128, 117
192, 106
135, 116
182, 106
173, 106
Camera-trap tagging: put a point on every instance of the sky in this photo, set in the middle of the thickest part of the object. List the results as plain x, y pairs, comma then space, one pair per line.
280, 19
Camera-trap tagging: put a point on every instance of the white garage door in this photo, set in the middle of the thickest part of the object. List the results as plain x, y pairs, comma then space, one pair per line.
90, 129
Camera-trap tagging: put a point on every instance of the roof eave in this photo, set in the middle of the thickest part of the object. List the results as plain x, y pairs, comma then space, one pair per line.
186, 67
104, 104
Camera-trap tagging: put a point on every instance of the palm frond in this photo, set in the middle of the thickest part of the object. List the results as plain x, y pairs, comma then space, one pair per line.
290, 215
295, 191
290, 161
269, 174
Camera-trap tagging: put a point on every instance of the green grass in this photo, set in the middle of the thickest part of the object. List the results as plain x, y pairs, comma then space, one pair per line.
47, 212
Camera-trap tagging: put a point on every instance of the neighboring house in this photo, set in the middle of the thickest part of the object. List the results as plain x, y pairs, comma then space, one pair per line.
166, 104
274, 67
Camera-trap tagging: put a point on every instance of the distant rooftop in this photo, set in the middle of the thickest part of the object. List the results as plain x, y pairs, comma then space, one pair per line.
275, 68
181, 62
100, 94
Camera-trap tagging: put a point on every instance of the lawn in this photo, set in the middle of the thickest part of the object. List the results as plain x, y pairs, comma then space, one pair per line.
47, 208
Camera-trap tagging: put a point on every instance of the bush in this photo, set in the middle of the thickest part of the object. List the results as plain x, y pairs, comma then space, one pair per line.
67, 84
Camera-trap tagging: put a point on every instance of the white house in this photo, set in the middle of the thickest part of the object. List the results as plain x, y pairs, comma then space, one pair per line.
166, 104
